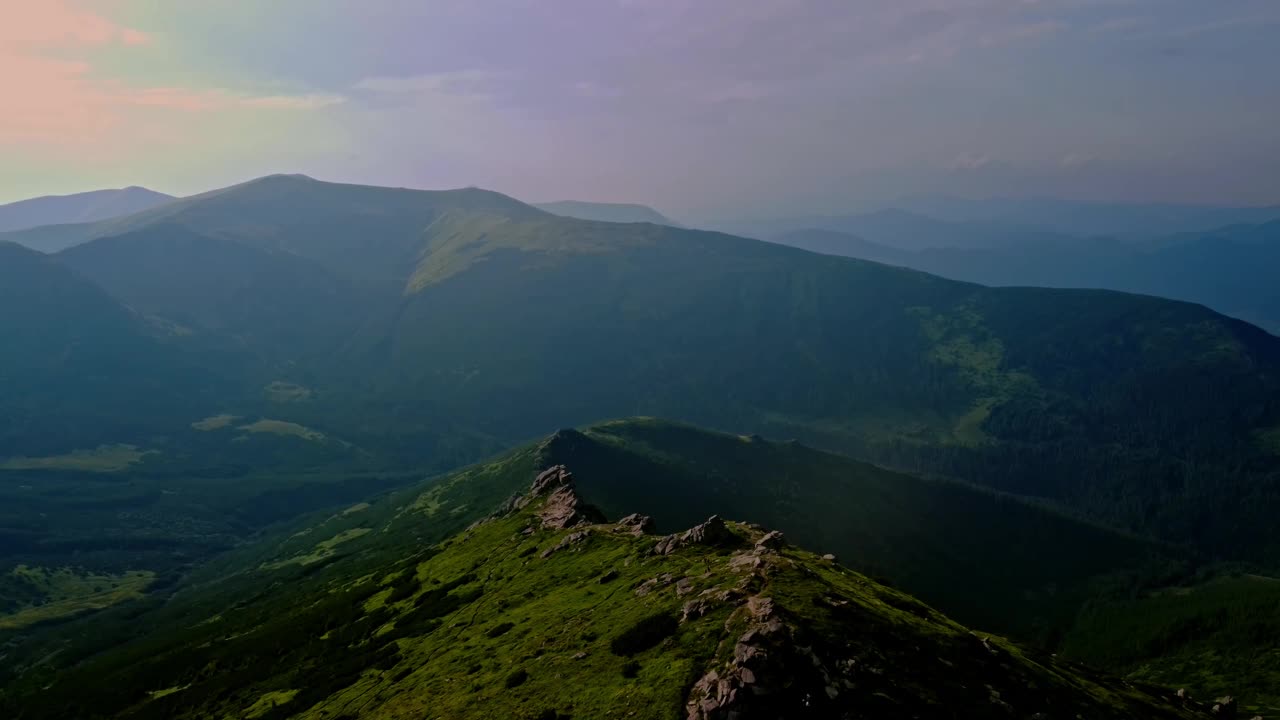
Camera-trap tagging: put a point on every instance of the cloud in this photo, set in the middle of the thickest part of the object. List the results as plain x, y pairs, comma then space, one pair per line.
56, 24
462, 82
313, 101
56, 96
969, 161
1076, 160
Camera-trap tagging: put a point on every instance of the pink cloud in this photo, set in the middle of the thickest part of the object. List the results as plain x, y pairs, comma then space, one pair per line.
52, 95
57, 24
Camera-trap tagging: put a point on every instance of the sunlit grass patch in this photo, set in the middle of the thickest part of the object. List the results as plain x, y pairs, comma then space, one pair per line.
215, 422
280, 391
104, 458
281, 427
66, 592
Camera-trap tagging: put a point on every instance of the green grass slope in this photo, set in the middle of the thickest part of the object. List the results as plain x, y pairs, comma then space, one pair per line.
1218, 636
545, 610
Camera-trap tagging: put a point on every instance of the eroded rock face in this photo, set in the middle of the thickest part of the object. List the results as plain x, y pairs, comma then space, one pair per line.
711, 532
563, 508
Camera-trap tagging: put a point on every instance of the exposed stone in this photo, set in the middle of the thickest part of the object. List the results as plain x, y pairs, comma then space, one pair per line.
695, 609
772, 540
567, 541
563, 507
636, 524
711, 532
684, 586
580, 655
652, 584
829, 557
1225, 708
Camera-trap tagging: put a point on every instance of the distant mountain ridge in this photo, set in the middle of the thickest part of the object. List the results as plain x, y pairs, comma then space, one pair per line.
607, 212
1128, 220
1230, 269
78, 208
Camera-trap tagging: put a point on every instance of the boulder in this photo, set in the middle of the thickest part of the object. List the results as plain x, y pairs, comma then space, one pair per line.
772, 540
711, 532
636, 524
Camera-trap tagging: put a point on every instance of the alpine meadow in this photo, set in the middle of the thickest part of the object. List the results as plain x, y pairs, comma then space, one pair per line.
777, 361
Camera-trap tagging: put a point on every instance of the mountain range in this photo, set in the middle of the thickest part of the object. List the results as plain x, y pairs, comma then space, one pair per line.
286, 342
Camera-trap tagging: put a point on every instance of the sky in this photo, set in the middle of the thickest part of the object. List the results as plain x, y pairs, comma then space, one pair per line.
698, 107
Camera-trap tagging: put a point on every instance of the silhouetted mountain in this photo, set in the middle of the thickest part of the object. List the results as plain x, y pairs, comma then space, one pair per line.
78, 208
1093, 218
1229, 269
905, 230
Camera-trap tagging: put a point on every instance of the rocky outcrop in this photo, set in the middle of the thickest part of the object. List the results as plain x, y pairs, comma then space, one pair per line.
563, 508
772, 540
711, 532
636, 524
566, 542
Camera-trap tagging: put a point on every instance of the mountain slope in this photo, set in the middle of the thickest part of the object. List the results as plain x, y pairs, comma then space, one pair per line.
79, 208
1061, 394
548, 610
80, 370
606, 212
992, 561
276, 302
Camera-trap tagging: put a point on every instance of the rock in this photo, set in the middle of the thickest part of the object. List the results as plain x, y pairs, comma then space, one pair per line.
636, 524
652, 584
563, 509
695, 609
1225, 708
550, 479
567, 541
711, 532
829, 557
772, 540
684, 586
580, 655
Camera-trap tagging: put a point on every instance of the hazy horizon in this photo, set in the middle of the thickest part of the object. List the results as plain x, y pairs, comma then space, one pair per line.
697, 109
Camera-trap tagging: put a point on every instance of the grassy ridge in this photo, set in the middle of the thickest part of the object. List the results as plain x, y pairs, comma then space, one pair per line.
514, 619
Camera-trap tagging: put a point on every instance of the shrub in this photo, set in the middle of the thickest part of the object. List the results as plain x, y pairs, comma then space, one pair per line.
646, 633
517, 678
